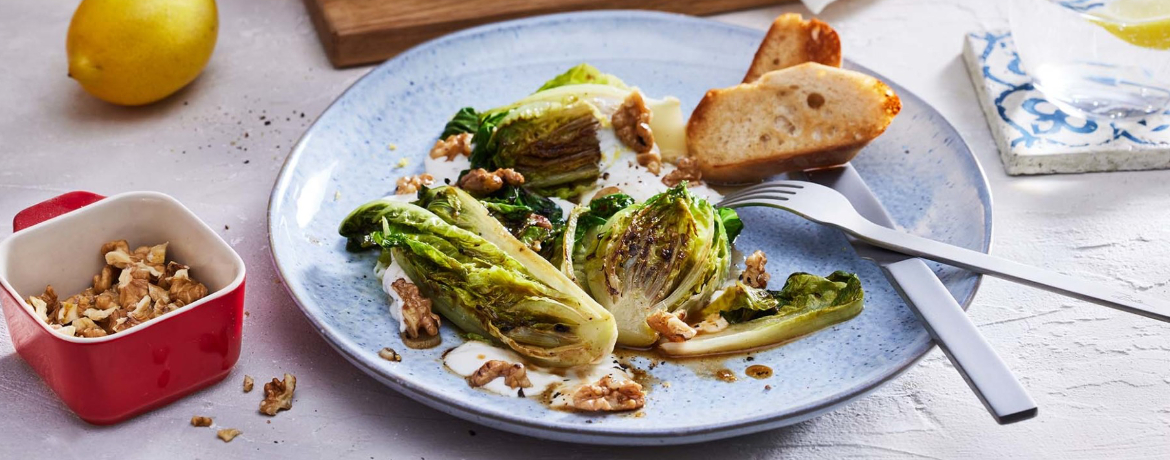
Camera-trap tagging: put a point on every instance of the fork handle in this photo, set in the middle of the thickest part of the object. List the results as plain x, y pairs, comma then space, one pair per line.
956, 335
1014, 271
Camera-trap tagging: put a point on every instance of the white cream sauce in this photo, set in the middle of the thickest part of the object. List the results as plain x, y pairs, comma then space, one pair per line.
446, 172
471, 355
389, 275
619, 168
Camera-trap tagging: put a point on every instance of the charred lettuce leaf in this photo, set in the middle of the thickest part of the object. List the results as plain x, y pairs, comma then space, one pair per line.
488, 283
669, 253
554, 146
466, 120
806, 303
536, 221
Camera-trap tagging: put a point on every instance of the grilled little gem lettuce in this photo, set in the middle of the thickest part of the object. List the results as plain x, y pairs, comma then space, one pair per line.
486, 281
551, 136
669, 253
806, 304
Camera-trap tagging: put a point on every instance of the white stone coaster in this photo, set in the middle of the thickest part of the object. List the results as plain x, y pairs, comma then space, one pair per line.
1034, 137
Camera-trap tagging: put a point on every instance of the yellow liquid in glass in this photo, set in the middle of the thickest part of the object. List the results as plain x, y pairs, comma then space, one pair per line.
1145, 23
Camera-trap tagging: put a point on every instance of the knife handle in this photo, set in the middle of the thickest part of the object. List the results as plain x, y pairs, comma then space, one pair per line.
954, 332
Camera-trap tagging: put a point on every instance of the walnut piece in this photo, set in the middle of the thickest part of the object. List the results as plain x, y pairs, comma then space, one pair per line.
278, 395
515, 376
131, 288
117, 253
481, 182
411, 184
631, 124
184, 289
711, 324
85, 327
248, 383
670, 326
604, 192
416, 310
103, 280
687, 169
651, 160
389, 354
609, 394
754, 274
453, 146
228, 434
200, 420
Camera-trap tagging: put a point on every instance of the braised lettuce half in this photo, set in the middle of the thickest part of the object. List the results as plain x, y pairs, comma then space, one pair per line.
757, 317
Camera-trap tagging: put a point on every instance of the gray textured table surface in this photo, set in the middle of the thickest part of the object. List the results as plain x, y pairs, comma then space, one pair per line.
1101, 378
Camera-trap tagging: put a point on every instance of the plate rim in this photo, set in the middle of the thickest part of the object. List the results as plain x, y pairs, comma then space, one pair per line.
596, 434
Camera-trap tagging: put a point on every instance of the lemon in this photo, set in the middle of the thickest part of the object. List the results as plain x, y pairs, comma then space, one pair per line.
1144, 23
134, 52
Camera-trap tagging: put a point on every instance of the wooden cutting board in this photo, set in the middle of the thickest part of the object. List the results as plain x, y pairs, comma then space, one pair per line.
365, 31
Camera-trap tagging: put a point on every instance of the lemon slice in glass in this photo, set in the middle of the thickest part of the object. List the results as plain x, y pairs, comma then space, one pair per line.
1145, 23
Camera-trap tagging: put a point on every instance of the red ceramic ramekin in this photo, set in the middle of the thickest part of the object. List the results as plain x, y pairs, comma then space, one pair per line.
109, 379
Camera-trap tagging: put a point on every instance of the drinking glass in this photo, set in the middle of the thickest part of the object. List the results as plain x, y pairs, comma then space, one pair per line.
1103, 59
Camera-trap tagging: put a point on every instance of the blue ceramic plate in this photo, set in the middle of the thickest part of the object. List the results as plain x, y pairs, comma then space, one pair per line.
920, 168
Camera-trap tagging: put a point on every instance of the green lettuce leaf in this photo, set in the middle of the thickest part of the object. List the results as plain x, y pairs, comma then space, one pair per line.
758, 318
466, 120
582, 74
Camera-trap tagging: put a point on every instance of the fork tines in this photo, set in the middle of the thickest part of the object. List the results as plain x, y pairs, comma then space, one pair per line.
775, 190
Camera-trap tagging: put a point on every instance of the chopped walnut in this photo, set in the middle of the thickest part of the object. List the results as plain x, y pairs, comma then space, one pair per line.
184, 289
131, 288
142, 311
607, 191
86, 327
651, 160
389, 354
631, 124
711, 324
411, 184
609, 394
515, 376
416, 310
453, 146
133, 292
539, 221
248, 383
67, 313
754, 274
158, 294
481, 182
65, 330
228, 434
200, 420
670, 326
688, 170
117, 253
103, 280
278, 395
39, 307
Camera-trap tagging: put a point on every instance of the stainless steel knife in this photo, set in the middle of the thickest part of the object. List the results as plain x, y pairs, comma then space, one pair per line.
939, 312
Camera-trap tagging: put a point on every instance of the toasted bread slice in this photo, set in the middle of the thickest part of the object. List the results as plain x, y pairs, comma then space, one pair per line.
791, 41
802, 117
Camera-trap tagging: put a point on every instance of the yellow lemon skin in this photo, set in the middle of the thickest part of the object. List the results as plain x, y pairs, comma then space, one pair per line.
135, 52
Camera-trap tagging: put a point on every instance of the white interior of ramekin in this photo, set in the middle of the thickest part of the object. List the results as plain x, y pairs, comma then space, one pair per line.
64, 251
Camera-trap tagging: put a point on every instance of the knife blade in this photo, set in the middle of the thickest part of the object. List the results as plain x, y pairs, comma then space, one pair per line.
942, 316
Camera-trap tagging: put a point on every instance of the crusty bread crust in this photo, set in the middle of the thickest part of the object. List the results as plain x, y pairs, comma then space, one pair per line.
790, 41
802, 117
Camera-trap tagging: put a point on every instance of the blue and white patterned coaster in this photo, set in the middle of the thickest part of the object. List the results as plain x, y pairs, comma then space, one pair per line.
1035, 137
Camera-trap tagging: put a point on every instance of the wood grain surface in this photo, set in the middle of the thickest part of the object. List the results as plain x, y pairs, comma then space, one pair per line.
356, 32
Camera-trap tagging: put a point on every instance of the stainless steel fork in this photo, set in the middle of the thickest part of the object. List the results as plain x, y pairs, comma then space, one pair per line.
826, 206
